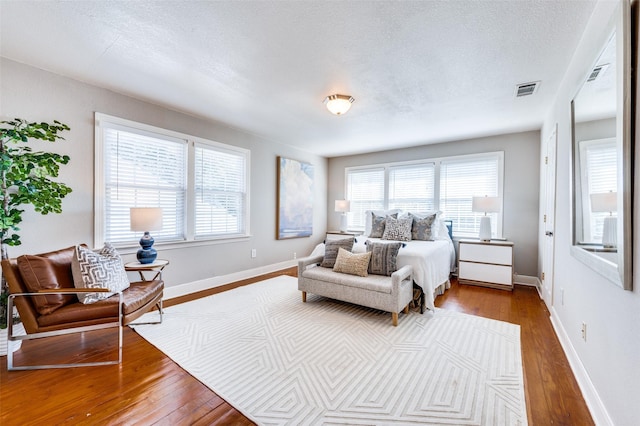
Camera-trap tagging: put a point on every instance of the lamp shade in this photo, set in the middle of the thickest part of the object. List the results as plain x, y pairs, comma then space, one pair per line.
338, 104
145, 219
604, 202
343, 206
485, 204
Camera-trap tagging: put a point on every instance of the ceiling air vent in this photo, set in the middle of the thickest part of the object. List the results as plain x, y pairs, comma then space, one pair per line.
597, 72
527, 89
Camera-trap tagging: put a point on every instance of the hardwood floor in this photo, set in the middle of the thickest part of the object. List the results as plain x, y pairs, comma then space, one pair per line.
149, 388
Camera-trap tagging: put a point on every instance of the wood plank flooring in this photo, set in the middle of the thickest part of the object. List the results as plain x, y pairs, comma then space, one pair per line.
150, 389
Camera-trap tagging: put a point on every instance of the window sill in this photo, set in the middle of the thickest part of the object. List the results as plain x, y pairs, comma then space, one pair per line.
177, 245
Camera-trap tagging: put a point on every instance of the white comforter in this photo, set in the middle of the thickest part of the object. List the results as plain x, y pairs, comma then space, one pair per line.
432, 262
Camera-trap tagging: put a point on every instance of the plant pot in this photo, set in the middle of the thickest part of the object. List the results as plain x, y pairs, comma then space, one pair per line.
4, 333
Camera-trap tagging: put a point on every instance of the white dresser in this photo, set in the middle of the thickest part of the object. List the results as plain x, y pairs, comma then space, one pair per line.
488, 264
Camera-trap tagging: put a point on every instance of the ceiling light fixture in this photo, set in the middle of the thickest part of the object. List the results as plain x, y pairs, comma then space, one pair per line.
338, 104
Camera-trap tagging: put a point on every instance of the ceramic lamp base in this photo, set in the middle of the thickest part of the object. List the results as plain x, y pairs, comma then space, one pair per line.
610, 232
343, 222
485, 229
147, 254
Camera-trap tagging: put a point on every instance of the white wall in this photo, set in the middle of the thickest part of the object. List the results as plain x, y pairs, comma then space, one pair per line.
521, 184
37, 95
607, 365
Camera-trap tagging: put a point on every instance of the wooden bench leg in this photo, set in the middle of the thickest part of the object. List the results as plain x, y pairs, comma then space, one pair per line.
394, 318
304, 297
406, 309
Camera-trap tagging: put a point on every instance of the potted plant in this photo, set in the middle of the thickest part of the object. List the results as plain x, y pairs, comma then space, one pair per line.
25, 178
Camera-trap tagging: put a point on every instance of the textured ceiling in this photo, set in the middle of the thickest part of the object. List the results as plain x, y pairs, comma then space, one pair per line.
420, 71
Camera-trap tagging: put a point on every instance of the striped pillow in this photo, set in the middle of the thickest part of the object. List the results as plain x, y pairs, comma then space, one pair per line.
383, 257
331, 250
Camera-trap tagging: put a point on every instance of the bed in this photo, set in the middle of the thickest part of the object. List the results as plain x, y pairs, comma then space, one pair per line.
432, 262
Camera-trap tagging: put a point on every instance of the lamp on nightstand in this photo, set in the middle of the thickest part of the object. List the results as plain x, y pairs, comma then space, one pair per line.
485, 205
343, 207
145, 219
607, 202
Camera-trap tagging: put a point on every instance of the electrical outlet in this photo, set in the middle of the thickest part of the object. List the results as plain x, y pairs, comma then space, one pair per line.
295, 256
584, 331
253, 253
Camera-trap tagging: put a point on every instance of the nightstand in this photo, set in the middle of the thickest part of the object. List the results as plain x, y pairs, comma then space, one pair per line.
337, 235
156, 267
488, 264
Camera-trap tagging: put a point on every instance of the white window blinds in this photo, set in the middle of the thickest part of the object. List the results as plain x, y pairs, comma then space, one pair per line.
143, 170
202, 186
220, 192
411, 188
598, 158
460, 180
365, 190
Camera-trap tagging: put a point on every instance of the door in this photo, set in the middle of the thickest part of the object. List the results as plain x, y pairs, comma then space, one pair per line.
549, 213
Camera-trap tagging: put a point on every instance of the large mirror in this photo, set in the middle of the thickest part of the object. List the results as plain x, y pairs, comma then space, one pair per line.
601, 158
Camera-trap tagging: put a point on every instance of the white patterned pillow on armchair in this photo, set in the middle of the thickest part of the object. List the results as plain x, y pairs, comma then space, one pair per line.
102, 269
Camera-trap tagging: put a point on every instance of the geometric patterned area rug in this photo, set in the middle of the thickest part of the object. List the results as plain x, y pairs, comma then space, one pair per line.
280, 361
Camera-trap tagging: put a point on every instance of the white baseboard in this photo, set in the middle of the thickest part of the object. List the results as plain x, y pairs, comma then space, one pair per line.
209, 283
526, 280
591, 397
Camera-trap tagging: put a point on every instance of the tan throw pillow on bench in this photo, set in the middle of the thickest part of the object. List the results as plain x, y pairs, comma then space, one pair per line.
352, 263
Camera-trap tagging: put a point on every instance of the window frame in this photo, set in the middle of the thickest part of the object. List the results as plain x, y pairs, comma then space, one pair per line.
104, 120
437, 161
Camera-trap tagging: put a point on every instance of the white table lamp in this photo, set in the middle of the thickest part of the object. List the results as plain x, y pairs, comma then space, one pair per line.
607, 202
485, 205
145, 219
343, 207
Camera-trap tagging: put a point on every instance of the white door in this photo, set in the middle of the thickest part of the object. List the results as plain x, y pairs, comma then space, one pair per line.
549, 213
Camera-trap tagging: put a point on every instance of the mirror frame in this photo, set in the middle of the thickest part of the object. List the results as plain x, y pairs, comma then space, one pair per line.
620, 273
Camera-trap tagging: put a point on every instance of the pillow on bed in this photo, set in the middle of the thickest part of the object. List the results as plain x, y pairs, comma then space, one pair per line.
421, 228
352, 263
378, 224
384, 257
331, 250
397, 229
370, 214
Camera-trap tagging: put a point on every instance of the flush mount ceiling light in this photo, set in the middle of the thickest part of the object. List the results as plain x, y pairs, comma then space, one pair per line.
338, 104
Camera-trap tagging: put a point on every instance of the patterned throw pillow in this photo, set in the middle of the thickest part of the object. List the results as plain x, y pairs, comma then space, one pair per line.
383, 257
398, 229
352, 263
98, 269
378, 224
421, 227
331, 250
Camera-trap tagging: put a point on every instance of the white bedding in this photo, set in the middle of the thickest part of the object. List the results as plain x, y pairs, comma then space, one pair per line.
432, 262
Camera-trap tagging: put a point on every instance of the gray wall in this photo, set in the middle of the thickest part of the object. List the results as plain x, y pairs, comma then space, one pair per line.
606, 364
521, 184
37, 95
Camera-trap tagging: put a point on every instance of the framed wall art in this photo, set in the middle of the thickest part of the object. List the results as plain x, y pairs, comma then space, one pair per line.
295, 199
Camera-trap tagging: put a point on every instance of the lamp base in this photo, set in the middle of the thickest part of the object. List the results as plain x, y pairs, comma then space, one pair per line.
343, 222
485, 229
147, 254
610, 232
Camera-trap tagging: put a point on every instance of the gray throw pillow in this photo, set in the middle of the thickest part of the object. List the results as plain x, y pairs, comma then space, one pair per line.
421, 227
383, 257
331, 250
103, 269
378, 224
397, 229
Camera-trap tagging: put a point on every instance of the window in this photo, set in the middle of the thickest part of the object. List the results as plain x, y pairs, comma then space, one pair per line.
461, 179
600, 175
200, 185
445, 184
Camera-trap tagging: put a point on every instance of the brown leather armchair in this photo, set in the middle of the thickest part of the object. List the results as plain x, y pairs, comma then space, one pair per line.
42, 289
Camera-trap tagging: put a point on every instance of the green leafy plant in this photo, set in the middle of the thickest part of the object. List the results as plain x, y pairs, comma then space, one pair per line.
25, 178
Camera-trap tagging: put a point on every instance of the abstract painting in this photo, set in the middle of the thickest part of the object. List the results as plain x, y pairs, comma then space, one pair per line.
295, 199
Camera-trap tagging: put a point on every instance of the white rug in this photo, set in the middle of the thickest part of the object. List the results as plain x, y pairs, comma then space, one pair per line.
281, 361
